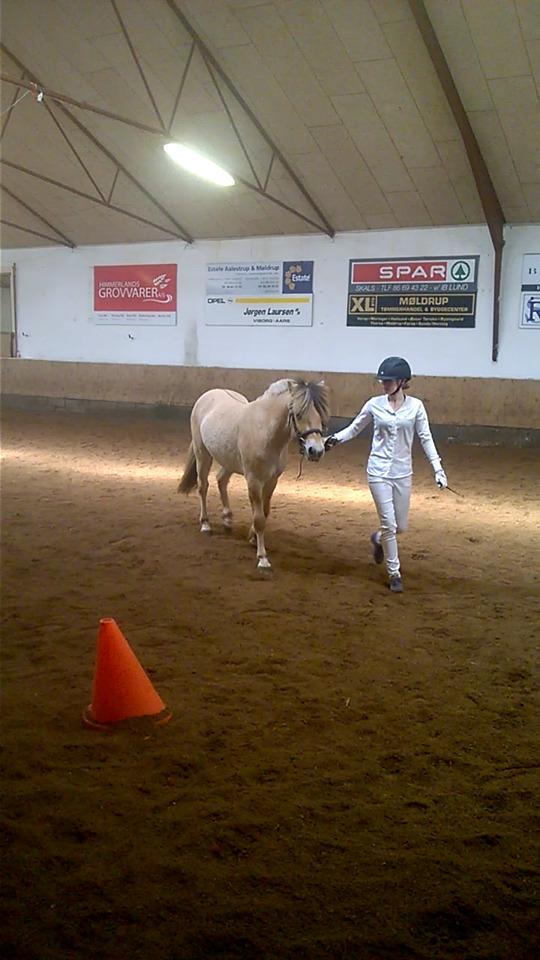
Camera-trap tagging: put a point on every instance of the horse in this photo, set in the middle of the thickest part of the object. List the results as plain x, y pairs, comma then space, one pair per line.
251, 438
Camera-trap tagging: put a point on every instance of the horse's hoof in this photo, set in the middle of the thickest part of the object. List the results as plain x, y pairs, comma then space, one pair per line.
227, 526
264, 566
206, 529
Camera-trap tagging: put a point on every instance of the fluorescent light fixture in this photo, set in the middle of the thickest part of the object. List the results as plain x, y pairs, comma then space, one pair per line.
200, 166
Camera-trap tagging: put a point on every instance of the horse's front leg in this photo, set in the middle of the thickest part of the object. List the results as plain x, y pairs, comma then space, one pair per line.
268, 491
255, 490
223, 478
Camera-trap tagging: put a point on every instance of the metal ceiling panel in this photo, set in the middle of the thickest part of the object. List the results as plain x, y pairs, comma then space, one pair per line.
329, 112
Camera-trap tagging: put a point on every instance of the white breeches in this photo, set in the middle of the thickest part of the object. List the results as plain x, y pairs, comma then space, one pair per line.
392, 498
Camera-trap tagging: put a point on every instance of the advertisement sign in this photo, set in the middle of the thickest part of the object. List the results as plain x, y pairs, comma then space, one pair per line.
272, 293
529, 318
418, 292
143, 294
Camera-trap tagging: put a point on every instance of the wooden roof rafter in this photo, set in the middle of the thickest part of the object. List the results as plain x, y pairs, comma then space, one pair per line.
60, 99
8, 112
138, 64
484, 184
64, 240
34, 233
222, 84
216, 70
85, 196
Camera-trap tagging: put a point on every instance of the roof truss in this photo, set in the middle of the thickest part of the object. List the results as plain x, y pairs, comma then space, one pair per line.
58, 106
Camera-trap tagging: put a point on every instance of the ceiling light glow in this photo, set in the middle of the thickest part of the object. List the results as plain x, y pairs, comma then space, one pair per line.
200, 166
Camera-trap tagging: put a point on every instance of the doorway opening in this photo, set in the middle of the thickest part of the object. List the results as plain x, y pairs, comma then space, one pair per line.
8, 337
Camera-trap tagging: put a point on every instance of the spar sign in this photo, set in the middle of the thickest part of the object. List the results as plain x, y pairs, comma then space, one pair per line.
419, 292
143, 294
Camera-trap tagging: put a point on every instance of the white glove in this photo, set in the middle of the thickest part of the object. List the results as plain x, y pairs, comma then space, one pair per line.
330, 442
440, 479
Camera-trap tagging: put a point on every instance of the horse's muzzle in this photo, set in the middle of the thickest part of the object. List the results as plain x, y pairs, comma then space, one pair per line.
313, 451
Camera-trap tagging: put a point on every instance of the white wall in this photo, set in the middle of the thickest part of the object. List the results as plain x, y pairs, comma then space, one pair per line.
54, 304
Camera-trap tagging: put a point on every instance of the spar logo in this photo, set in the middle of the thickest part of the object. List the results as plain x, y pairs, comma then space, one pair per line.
298, 276
460, 271
425, 270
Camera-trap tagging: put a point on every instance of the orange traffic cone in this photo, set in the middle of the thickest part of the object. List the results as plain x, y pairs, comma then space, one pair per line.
121, 687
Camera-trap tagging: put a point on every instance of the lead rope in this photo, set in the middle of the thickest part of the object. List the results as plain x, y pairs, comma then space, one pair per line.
294, 426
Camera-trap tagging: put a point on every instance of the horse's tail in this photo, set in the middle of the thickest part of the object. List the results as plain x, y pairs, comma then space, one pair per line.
188, 480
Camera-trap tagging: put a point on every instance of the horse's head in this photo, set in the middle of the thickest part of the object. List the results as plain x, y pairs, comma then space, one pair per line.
308, 416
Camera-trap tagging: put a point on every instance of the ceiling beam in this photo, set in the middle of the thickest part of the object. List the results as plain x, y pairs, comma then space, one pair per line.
181, 87
86, 196
35, 233
209, 58
214, 70
484, 184
15, 99
280, 203
81, 104
225, 106
97, 143
34, 213
120, 166
138, 64
73, 149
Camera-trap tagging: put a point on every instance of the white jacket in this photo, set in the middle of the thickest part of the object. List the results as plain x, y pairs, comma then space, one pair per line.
393, 434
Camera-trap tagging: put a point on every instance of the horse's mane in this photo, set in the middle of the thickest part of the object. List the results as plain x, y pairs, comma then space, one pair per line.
279, 386
303, 394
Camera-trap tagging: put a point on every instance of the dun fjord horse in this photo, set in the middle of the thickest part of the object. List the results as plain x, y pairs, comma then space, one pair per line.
252, 439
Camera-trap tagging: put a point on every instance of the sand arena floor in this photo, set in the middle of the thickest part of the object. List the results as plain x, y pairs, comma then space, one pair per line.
348, 775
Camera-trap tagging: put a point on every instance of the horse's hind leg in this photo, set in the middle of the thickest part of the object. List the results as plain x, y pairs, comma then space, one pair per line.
223, 478
204, 462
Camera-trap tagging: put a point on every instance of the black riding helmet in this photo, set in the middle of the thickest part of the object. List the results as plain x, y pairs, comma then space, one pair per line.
394, 368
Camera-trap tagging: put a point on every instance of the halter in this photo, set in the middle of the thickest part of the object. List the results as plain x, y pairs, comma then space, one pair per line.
301, 435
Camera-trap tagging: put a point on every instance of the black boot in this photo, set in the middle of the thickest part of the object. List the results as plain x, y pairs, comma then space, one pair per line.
378, 554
